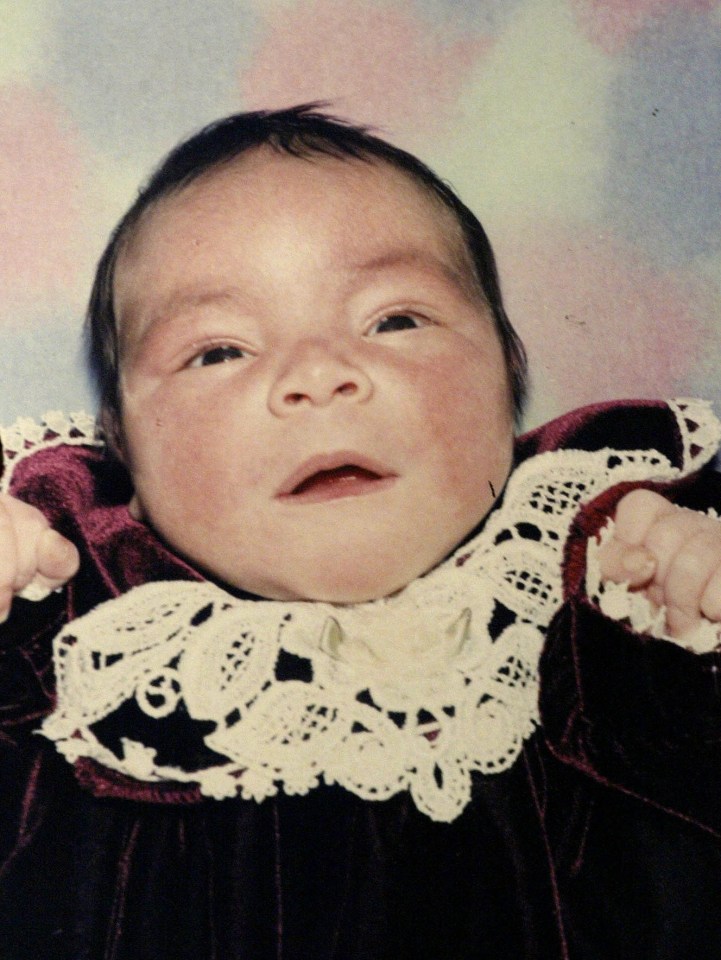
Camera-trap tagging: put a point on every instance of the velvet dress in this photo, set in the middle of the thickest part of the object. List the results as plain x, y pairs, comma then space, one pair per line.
596, 837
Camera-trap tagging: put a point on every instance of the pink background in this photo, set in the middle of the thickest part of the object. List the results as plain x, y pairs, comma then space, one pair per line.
586, 134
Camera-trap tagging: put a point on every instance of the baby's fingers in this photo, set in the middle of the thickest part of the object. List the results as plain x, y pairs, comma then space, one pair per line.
711, 597
692, 582
8, 560
622, 563
58, 559
34, 559
636, 514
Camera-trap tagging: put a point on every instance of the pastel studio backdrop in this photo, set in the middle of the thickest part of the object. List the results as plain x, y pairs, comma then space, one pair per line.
585, 133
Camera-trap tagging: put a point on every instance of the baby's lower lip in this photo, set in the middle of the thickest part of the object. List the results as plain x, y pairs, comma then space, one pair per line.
338, 483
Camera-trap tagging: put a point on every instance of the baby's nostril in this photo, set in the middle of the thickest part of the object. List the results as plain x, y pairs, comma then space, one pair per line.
348, 389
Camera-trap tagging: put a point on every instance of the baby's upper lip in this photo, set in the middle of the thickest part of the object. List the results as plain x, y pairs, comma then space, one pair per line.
323, 462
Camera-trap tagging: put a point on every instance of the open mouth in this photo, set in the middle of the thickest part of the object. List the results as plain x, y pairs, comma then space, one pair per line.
333, 478
348, 474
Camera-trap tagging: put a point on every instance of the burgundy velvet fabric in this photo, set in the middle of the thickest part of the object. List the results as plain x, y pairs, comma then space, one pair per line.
600, 842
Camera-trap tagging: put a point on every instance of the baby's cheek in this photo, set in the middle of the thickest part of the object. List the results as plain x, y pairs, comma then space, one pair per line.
468, 420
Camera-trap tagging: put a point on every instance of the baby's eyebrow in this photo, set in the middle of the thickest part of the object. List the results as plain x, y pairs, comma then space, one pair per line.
403, 258
181, 302
419, 259
191, 298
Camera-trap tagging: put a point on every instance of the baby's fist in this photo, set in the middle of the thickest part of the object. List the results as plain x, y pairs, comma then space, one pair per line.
671, 554
33, 556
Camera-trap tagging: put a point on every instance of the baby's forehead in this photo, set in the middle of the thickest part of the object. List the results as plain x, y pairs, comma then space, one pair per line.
277, 192
369, 179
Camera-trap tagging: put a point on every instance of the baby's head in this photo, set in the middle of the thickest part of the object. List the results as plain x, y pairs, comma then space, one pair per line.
304, 360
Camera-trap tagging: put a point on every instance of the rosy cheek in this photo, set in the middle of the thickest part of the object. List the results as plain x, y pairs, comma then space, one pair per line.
466, 417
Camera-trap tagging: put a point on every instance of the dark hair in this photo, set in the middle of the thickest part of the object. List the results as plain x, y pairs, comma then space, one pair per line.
302, 131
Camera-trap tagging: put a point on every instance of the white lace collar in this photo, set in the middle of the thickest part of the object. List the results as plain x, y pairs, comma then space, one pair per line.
412, 692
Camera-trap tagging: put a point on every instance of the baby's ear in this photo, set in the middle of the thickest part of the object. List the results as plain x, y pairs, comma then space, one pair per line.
110, 433
134, 508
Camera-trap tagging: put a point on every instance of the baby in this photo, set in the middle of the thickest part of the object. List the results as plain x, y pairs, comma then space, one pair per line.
313, 383
308, 375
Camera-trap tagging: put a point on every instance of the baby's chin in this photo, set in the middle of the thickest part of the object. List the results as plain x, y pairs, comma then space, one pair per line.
338, 583
338, 580
338, 590
349, 566
343, 584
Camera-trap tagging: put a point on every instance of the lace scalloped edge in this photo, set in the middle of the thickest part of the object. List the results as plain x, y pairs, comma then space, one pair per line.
54, 428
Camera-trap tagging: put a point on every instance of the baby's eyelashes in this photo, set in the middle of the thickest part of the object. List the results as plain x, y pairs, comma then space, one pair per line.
394, 322
220, 353
216, 353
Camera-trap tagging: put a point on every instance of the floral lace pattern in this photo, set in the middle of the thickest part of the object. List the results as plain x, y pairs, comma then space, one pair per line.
411, 692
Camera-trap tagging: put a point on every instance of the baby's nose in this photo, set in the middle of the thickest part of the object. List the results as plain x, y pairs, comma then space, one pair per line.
316, 375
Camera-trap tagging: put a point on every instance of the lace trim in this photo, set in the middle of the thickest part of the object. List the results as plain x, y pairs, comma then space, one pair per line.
411, 692
26, 436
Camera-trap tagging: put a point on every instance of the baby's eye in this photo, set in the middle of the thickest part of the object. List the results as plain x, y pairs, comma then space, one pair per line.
223, 353
396, 321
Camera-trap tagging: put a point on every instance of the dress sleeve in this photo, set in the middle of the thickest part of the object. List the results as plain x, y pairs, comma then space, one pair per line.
26, 674
639, 714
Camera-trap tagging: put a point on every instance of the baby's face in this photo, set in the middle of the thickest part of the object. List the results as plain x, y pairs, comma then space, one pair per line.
314, 400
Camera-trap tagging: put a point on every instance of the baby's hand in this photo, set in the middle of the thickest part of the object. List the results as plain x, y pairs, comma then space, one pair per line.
31, 553
671, 554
